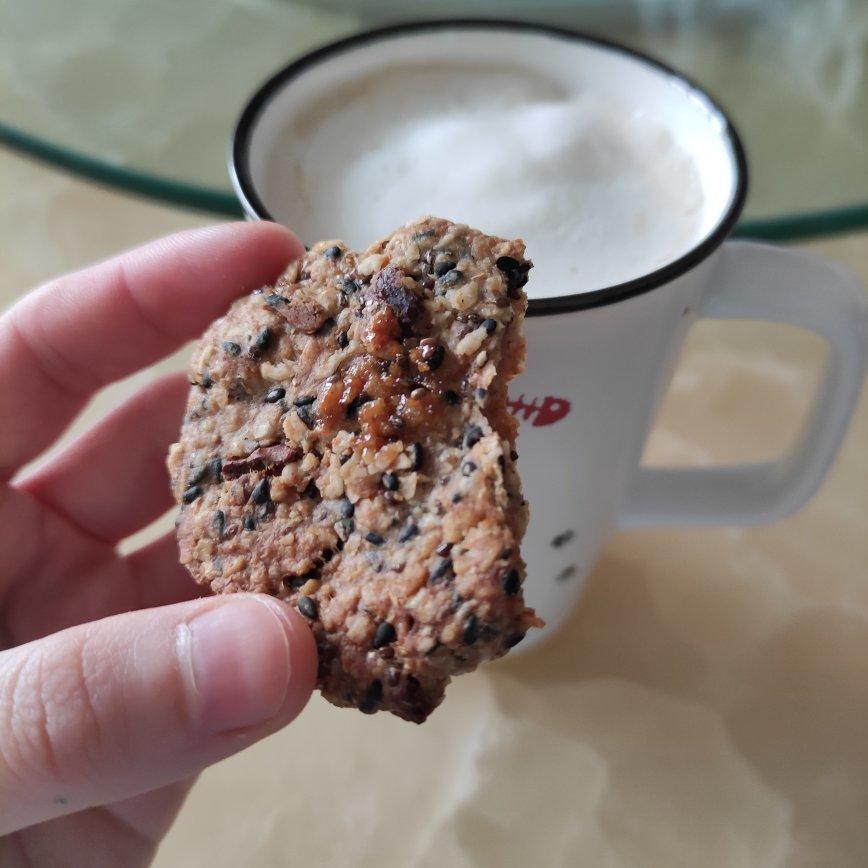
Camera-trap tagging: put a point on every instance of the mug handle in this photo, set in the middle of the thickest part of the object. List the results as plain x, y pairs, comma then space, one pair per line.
761, 282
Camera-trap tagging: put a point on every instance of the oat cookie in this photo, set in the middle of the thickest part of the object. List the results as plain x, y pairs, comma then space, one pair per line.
347, 447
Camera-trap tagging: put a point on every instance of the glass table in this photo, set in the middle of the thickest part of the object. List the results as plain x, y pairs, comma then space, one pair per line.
143, 96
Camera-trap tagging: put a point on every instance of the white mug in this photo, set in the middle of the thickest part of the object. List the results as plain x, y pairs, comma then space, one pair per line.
599, 363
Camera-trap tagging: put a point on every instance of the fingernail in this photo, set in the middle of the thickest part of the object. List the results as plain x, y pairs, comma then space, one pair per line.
239, 661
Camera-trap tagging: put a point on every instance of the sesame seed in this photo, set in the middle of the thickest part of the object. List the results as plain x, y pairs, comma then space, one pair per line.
261, 493
374, 538
197, 474
346, 508
435, 359
471, 631
207, 382
231, 347
443, 549
192, 493
415, 452
389, 481
275, 299
333, 252
219, 521
261, 342
215, 468
306, 414
384, 635
307, 607
249, 523
407, 532
344, 527
442, 267
468, 468
452, 277
490, 325
304, 400
343, 340
472, 435
511, 583
275, 394
443, 568
372, 697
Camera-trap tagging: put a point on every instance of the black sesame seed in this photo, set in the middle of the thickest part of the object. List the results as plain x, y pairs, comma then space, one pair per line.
274, 394
507, 264
513, 640
304, 400
215, 468
374, 538
207, 382
452, 277
451, 397
261, 493
333, 252
307, 607
311, 490
344, 528
348, 286
261, 342
501, 461
275, 299
457, 498
197, 474
343, 340
436, 358
231, 347
471, 631
443, 549
390, 481
407, 532
192, 493
346, 508
481, 395
472, 435
468, 468
358, 401
511, 583
219, 522
385, 635
306, 414
415, 453
372, 697
249, 522
513, 455
442, 267
563, 538
490, 325
443, 568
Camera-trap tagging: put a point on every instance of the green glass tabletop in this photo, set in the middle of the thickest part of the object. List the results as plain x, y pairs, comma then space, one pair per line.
143, 96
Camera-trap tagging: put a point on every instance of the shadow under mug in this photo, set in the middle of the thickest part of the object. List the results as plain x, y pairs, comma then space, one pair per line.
599, 363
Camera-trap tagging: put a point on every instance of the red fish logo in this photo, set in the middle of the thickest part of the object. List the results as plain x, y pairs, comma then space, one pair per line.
540, 412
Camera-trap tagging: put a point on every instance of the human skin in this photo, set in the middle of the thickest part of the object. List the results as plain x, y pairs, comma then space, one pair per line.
118, 683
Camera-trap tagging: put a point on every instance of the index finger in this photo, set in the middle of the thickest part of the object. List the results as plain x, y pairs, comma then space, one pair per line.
74, 335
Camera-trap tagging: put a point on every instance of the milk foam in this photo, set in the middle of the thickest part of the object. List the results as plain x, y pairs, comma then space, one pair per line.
600, 192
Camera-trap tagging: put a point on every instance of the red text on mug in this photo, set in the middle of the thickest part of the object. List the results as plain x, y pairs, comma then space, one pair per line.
540, 411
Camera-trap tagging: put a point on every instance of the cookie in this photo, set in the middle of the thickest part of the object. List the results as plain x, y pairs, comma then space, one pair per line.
347, 447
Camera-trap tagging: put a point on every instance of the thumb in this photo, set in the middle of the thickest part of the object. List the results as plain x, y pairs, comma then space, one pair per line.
107, 710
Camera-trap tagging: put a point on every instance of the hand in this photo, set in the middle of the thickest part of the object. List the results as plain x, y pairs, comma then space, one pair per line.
118, 684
